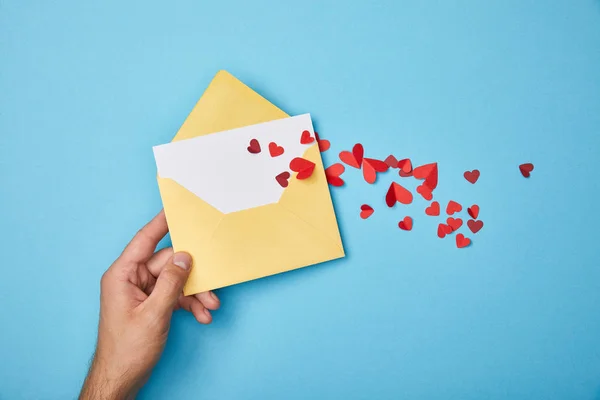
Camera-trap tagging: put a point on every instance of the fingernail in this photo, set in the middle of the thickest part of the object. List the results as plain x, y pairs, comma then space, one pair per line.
214, 296
182, 260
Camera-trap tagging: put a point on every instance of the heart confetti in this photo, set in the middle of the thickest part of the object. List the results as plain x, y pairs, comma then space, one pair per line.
526, 169
366, 211
425, 191
443, 230
303, 167
406, 224
254, 147
370, 168
324, 144
333, 173
453, 207
391, 161
397, 193
472, 176
282, 179
454, 223
474, 226
473, 211
428, 172
305, 138
275, 150
355, 158
433, 210
405, 166
462, 241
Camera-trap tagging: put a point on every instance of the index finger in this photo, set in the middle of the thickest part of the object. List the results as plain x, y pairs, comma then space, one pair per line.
143, 244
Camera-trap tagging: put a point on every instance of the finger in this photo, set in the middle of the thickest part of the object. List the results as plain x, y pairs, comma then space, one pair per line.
193, 305
208, 300
158, 261
142, 246
169, 283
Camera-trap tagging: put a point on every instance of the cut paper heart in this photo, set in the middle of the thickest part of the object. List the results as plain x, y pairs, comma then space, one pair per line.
433, 210
366, 211
406, 224
275, 150
354, 158
303, 167
254, 147
526, 169
474, 226
428, 172
404, 174
472, 176
454, 223
371, 167
405, 166
397, 193
462, 241
443, 230
305, 138
282, 178
333, 172
453, 207
324, 144
425, 191
473, 211
391, 161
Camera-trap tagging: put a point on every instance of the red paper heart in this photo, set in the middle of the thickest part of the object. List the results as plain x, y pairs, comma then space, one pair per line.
404, 174
282, 179
474, 226
303, 167
324, 144
454, 223
473, 211
397, 193
526, 169
443, 230
462, 241
406, 224
370, 168
254, 147
425, 191
472, 176
275, 150
391, 161
305, 138
366, 211
355, 158
405, 165
333, 173
433, 210
453, 207
429, 172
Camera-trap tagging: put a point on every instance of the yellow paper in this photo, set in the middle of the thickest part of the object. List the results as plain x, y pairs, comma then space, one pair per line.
297, 231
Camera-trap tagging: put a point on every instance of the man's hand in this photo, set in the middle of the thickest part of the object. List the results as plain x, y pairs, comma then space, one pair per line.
138, 295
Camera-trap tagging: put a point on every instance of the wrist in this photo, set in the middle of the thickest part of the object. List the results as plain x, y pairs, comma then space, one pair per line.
102, 382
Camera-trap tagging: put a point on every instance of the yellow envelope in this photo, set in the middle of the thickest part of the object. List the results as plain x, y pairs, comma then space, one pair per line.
228, 248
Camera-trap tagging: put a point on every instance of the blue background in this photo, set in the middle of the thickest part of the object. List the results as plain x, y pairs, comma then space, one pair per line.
87, 87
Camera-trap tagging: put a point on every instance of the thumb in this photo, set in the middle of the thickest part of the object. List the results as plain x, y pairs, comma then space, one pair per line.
169, 283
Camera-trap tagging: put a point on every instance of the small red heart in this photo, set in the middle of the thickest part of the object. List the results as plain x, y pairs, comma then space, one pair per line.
443, 230
462, 241
305, 138
454, 223
474, 226
324, 144
453, 207
526, 169
282, 179
366, 211
397, 193
303, 167
473, 211
370, 168
433, 210
254, 147
429, 172
333, 172
406, 224
354, 158
405, 165
391, 161
425, 191
275, 150
472, 176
